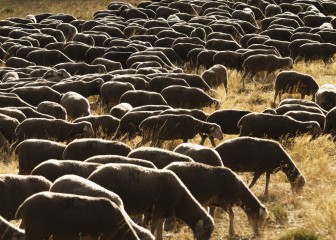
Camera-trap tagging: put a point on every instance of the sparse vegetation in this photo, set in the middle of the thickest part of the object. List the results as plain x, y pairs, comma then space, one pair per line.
311, 214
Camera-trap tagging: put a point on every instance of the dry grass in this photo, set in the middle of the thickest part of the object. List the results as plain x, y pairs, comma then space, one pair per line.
308, 215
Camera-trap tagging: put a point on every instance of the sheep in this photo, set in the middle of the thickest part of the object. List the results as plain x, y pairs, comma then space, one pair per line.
139, 83
15, 189
142, 188
44, 57
110, 92
54, 75
73, 184
30, 112
105, 123
269, 63
53, 109
221, 187
326, 96
81, 215
120, 110
199, 153
304, 116
8, 231
301, 102
140, 97
129, 124
104, 159
81, 149
12, 101
229, 59
329, 125
215, 76
16, 62
171, 127
276, 126
159, 157
295, 82
157, 84
53, 169
86, 89
80, 68
294, 46
315, 51
282, 109
188, 97
8, 126
251, 154
75, 104
58, 129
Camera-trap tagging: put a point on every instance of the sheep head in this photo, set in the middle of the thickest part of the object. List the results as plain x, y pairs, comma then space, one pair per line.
298, 184
258, 219
314, 129
204, 228
216, 132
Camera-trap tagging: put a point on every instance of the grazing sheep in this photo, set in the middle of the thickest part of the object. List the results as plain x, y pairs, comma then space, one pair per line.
316, 51
80, 68
188, 97
157, 84
73, 184
35, 95
220, 187
304, 116
13, 113
81, 215
276, 126
171, 127
301, 102
53, 109
12, 101
44, 57
15, 189
138, 82
295, 82
75, 104
249, 154
105, 123
229, 59
284, 108
8, 231
110, 92
86, 89
159, 157
58, 129
215, 76
329, 125
104, 159
129, 124
326, 96
199, 153
142, 188
30, 112
140, 97
54, 75
8, 126
53, 169
81, 149
120, 110
269, 63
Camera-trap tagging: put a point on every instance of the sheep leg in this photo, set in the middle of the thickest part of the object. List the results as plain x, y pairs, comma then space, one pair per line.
275, 96
159, 229
255, 178
231, 217
303, 95
268, 177
212, 140
204, 137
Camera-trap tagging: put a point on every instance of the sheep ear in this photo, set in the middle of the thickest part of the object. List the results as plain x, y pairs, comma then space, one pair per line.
199, 224
212, 128
85, 129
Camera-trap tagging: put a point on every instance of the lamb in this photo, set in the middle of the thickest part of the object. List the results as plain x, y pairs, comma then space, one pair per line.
53, 109
140, 97
215, 76
200, 154
58, 129
188, 97
53, 169
73, 184
326, 96
120, 110
129, 124
295, 82
221, 187
75, 104
142, 188
159, 157
35, 95
8, 231
81, 215
171, 127
276, 126
8, 126
81, 149
304, 116
269, 63
110, 92
105, 123
104, 159
250, 154
15, 189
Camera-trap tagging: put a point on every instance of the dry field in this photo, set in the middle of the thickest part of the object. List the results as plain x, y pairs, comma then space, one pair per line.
309, 215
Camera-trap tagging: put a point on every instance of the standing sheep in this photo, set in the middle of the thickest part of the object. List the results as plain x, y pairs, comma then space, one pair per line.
81, 149
294, 82
220, 187
326, 96
68, 216
15, 189
157, 192
75, 104
27, 157
249, 154
171, 127
120, 110
110, 92
8, 126
215, 76
276, 126
53, 109
330, 122
305, 116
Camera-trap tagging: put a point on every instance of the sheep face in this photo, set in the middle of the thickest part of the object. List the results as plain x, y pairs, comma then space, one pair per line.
88, 130
257, 220
314, 130
298, 184
216, 132
203, 228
